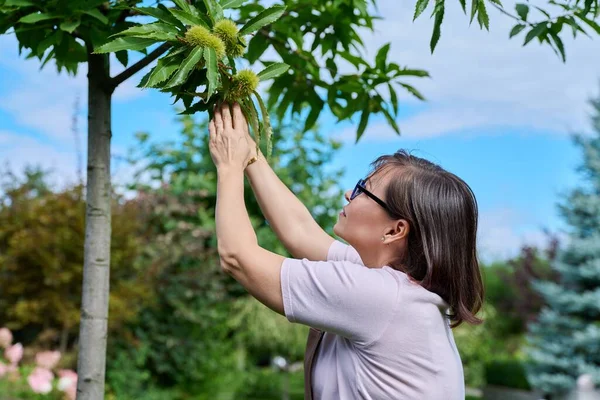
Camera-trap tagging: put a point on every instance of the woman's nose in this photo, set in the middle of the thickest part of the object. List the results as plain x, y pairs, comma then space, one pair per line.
347, 195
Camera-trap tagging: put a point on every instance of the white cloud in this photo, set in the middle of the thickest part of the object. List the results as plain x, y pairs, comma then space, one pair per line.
504, 231
18, 151
44, 99
481, 79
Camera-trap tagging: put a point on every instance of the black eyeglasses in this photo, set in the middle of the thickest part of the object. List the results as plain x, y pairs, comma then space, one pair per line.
360, 188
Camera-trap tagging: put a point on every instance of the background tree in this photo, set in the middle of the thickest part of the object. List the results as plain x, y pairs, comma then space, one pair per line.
564, 343
41, 257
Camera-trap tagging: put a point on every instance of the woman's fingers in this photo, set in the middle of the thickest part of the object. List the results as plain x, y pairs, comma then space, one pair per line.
212, 130
239, 120
226, 116
218, 118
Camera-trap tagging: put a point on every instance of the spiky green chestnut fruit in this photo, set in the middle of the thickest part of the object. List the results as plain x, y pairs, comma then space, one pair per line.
243, 84
237, 50
200, 36
227, 31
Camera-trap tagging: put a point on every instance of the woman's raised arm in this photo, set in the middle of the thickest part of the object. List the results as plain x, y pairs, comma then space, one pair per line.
290, 219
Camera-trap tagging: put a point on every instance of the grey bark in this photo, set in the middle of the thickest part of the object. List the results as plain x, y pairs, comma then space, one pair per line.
91, 362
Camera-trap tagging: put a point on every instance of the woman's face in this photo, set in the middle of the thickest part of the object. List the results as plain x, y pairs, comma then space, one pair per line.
363, 222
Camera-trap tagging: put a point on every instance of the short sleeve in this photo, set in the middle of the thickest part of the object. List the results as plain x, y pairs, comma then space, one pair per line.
341, 297
339, 251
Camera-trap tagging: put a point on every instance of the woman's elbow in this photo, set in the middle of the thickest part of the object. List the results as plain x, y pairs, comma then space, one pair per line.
228, 262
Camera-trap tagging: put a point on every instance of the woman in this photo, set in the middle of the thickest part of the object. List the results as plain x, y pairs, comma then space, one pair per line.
381, 309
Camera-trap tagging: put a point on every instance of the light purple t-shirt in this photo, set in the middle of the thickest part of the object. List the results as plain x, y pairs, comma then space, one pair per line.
386, 337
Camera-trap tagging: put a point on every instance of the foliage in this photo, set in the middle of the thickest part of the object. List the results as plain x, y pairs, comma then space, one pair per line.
510, 303
266, 383
41, 258
507, 373
509, 287
576, 14
302, 32
563, 343
202, 325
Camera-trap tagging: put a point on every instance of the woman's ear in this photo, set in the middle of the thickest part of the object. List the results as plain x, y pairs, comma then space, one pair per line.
398, 231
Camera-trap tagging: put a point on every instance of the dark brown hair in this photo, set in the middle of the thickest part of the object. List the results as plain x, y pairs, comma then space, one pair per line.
441, 210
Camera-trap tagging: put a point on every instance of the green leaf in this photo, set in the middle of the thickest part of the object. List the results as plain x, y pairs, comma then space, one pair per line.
421, 73
273, 71
354, 60
36, 17
516, 30
362, 125
463, 4
390, 120
592, 24
316, 106
232, 3
157, 30
393, 99
18, 3
47, 42
124, 43
420, 7
413, 91
266, 124
474, 9
122, 57
185, 68
212, 71
482, 16
215, 11
97, 14
161, 14
165, 67
187, 18
257, 46
183, 4
538, 30
575, 26
439, 17
381, 56
276, 89
522, 10
252, 117
48, 58
69, 26
288, 97
559, 45
266, 17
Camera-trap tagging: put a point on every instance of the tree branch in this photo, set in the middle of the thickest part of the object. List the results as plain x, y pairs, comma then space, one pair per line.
117, 80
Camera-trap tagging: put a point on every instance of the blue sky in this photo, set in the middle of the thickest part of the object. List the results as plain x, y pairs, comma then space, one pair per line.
498, 115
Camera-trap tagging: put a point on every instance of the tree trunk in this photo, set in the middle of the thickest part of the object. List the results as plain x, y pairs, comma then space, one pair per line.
91, 361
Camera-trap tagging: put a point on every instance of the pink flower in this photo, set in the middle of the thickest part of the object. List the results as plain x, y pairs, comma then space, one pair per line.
14, 353
6, 338
68, 383
47, 359
3, 369
40, 380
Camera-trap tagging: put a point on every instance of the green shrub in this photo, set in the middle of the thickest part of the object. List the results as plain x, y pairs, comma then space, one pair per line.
507, 373
268, 384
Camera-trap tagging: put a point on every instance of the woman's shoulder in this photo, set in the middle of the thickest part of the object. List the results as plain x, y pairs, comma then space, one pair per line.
412, 289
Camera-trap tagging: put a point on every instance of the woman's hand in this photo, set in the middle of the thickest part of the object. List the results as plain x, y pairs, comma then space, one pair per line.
231, 145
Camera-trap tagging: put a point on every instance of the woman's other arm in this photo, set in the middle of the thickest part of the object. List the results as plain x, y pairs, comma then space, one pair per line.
290, 219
